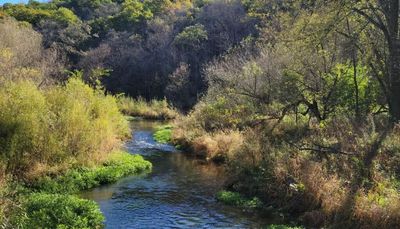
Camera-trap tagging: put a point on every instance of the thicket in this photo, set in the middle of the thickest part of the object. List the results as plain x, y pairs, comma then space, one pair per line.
56, 138
55, 128
303, 118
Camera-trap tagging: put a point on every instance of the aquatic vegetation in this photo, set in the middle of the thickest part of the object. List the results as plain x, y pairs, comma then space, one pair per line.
163, 134
277, 226
118, 165
236, 199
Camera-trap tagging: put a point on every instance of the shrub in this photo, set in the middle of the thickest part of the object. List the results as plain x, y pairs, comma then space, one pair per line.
378, 207
23, 128
57, 127
218, 146
61, 211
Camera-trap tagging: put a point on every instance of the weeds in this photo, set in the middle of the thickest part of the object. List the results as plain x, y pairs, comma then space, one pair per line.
163, 134
155, 109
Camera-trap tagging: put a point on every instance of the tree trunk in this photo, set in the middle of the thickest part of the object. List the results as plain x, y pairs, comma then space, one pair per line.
392, 18
394, 74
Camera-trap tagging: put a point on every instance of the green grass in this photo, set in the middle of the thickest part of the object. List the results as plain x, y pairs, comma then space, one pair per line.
275, 226
50, 201
163, 134
44, 210
119, 165
235, 199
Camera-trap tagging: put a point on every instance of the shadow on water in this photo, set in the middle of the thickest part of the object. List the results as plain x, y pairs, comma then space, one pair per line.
178, 193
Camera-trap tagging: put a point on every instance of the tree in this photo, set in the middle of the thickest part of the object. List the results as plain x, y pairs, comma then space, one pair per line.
384, 16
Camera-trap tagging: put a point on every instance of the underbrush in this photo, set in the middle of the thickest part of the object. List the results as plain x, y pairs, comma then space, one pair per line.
154, 109
328, 173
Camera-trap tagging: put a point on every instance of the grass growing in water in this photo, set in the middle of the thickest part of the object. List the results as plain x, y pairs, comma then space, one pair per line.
48, 203
163, 134
119, 165
235, 199
275, 226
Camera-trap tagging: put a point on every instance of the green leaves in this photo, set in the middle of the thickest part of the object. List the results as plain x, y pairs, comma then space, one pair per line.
192, 36
61, 211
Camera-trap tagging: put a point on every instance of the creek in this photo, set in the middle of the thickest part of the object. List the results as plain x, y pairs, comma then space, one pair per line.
179, 192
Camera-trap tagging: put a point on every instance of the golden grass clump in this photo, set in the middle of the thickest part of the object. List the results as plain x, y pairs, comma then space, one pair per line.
154, 109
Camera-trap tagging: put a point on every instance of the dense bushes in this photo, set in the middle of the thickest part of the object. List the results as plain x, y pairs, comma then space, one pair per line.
317, 171
58, 140
42, 129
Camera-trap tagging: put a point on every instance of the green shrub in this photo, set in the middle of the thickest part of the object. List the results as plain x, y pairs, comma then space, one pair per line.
60, 211
58, 126
23, 118
235, 199
163, 134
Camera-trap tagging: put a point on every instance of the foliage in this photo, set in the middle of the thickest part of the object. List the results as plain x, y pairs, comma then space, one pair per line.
118, 165
163, 134
235, 199
191, 36
34, 14
60, 211
277, 226
65, 124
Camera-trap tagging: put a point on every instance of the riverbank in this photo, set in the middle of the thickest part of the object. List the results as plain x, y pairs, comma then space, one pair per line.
51, 201
249, 204
309, 172
178, 193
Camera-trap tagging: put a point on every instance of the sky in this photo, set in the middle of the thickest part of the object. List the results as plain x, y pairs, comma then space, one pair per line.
17, 1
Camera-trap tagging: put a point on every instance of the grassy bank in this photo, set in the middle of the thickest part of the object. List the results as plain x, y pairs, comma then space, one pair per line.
154, 109
119, 164
50, 201
54, 142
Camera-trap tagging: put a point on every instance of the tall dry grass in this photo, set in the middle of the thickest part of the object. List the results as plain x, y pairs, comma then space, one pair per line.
154, 109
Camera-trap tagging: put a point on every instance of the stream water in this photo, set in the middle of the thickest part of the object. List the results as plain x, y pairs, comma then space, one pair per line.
178, 193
